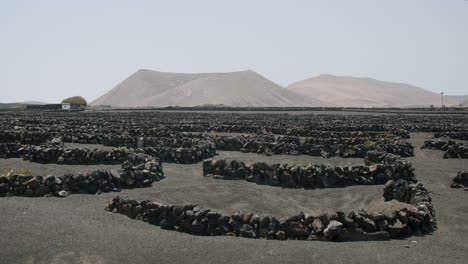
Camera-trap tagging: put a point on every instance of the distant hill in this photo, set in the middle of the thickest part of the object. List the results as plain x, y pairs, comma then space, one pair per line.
19, 105
32, 103
238, 89
368, 92
461, 100
464, 103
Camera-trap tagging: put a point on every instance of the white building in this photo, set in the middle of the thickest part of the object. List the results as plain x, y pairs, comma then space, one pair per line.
66, 106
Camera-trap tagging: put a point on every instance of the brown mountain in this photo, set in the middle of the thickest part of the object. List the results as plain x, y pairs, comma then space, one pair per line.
19, 105
161, 89
464, 103
368, 92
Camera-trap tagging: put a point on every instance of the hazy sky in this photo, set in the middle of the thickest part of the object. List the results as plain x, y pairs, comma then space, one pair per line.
50, 50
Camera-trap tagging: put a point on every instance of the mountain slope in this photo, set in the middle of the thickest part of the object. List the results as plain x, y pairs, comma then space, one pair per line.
464, 103
19, 105
143, 84
161, 89
367, 92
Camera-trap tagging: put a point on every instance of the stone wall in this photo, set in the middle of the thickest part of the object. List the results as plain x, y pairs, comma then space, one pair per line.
461, 180
325, 147
453, 135
452, 149
182, 155
416, 195
139, 171
73, 156
62, 155
166, 139
382, 168
417, 218
25, 137
83, 137
339, 226
13, 150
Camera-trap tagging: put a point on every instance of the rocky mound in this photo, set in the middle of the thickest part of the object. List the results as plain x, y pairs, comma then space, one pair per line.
461, 180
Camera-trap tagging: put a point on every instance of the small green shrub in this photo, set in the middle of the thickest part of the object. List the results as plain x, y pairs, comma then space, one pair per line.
9, 172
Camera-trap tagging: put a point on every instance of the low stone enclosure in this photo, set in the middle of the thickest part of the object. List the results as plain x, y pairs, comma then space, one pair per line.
417, 218
61, 155
324, 147
452, 135
74, 156
267, 144
382, 168
25, 137
461, 180
326, 144
352, 226
189, 155
194, 151
183, 148
12, 150
191, 137
452, 149
139, 170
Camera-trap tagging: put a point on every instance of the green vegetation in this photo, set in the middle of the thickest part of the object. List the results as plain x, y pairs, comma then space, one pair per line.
23, 171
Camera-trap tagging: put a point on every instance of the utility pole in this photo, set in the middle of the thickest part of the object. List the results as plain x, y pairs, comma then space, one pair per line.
442, 100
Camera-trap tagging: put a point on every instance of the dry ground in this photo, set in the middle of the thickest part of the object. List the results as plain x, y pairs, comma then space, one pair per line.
76, 229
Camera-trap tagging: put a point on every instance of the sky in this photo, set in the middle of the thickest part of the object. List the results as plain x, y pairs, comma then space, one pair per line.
50, 50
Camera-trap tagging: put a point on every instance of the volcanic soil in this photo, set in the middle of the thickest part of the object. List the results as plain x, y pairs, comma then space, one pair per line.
77, 229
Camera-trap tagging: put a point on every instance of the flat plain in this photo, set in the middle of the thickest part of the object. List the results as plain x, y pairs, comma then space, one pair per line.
77, 229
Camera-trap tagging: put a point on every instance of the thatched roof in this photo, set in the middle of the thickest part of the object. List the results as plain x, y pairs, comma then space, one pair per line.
75, 100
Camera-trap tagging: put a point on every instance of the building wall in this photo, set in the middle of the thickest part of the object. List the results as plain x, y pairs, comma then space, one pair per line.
75, 107
45, 107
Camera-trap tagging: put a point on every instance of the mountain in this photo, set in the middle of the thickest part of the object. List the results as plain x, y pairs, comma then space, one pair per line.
162, 89
32, 103
19, 105
461, 100
368, 92
464, 103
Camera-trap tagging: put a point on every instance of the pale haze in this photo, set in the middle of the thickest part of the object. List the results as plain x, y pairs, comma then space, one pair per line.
50, 50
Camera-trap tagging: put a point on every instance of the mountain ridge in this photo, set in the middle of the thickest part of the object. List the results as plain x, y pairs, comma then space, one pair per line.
348, 91
162, 89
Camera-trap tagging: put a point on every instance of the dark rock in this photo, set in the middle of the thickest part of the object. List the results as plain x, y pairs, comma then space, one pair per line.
317, 226
128, 210
33, 183
382, 225
357, 234
461, 180
42, 190
280, 235
333, 230
325, 218
62, 193
199, 226
247, 231
295, 229
396, 229
365, 223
